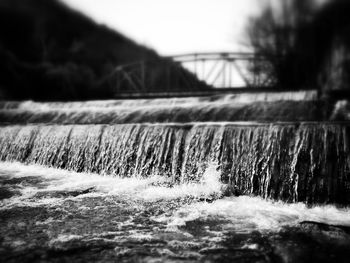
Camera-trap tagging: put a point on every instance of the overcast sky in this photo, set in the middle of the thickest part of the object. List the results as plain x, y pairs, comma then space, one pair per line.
174, 26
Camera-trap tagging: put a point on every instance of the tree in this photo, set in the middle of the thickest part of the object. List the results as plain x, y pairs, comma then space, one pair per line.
274, 35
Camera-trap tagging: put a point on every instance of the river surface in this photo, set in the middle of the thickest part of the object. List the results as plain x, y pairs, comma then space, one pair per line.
234, 178
57, 215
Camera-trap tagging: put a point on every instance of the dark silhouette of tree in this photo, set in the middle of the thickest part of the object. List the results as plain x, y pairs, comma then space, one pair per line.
275, 35
50, 52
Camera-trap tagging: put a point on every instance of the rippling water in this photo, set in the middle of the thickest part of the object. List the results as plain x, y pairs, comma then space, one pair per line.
55, 215
276, 106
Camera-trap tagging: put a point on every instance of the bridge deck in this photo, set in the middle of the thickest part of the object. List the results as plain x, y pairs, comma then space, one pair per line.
204, 93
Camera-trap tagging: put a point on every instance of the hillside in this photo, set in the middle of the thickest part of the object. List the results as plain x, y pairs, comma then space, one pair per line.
50, 52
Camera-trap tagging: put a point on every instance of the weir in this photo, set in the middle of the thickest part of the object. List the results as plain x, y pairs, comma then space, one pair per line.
257, 106
284, 161
262, 111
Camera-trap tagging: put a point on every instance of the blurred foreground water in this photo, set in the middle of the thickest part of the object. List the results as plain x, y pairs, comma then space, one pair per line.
56, 215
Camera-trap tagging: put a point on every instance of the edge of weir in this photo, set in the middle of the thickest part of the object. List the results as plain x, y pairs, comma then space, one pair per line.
194, 124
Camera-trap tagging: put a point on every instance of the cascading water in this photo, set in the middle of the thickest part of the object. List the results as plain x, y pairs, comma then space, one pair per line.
283, 106
307, 162
146, 181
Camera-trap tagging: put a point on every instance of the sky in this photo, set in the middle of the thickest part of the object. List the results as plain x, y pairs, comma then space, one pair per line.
175, 26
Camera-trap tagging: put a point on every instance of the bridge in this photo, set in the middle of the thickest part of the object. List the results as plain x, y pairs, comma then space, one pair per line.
205, 73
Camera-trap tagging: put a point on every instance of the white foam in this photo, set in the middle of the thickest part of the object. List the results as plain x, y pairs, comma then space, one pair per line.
240, 214
140, 188
208, 186
64, 238
245, 214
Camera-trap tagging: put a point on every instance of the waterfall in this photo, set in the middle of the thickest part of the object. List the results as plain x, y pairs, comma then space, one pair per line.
262, 111
284, 161
268, 107
306, 95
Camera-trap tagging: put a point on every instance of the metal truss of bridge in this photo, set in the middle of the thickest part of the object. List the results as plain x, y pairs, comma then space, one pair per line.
193, 72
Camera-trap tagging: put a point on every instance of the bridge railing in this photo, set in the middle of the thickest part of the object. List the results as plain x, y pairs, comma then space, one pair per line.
197, 71
228, 70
